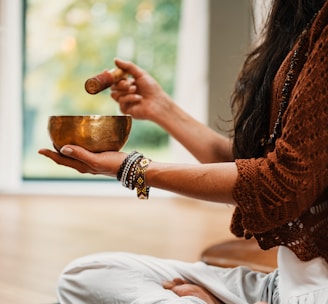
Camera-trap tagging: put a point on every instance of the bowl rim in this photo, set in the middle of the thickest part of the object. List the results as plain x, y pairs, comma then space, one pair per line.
90, 116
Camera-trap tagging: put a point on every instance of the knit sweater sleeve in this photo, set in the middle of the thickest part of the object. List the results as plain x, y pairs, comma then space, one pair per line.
276, 189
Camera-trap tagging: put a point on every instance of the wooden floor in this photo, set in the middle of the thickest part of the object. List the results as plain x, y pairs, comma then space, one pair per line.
39, 235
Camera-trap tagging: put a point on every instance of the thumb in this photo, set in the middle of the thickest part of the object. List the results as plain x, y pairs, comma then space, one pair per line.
66, 150
77, 152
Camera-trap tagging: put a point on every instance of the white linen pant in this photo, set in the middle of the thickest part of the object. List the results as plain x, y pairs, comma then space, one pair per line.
124, 278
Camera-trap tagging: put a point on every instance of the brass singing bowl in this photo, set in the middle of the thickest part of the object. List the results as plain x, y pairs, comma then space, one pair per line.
96, 133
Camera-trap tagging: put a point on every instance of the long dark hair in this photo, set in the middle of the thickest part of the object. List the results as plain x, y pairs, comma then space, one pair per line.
251, 97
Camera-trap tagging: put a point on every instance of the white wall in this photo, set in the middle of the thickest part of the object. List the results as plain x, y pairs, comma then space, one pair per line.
10, 93
229, 41
261, 9
192, 68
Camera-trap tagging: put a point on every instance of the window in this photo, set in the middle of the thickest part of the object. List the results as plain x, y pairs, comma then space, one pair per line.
66, 42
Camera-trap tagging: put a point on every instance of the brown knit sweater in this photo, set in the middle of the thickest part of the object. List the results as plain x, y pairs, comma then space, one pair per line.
282, 198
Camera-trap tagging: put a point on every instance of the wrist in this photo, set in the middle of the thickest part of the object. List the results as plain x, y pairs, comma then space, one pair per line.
132, 173
160, 109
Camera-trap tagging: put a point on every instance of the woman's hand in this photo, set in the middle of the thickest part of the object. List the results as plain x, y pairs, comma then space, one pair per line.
140, 96
105, 163
183, 288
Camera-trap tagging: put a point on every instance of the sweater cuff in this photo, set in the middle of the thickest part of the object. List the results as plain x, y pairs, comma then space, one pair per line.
246, 194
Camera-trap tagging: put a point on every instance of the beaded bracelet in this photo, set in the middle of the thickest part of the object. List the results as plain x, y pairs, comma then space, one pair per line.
132, 158
132, 173
142, 188
120, 171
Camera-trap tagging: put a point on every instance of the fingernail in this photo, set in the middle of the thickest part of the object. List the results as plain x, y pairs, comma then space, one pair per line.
66, 150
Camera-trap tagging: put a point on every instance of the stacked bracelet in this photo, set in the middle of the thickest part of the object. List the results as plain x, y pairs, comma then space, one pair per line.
142, 188
127, 175
132, 173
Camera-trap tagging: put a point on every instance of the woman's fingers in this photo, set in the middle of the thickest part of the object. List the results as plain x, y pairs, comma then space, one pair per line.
60, 159
129, 67
78, 153
125, 97
175, 282
125, 94
182, 288
123, 85
84, 161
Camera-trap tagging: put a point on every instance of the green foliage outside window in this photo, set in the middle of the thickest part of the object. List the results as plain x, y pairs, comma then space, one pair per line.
68, 41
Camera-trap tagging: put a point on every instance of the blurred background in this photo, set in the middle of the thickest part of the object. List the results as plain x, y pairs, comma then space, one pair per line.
49, 48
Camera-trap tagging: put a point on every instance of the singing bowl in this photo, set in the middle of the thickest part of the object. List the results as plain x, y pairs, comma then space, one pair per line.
96, 133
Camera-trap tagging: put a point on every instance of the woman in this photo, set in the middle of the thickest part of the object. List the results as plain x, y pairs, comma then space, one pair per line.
275, 172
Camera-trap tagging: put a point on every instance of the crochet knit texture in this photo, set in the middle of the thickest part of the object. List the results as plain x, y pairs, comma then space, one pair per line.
282, 198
